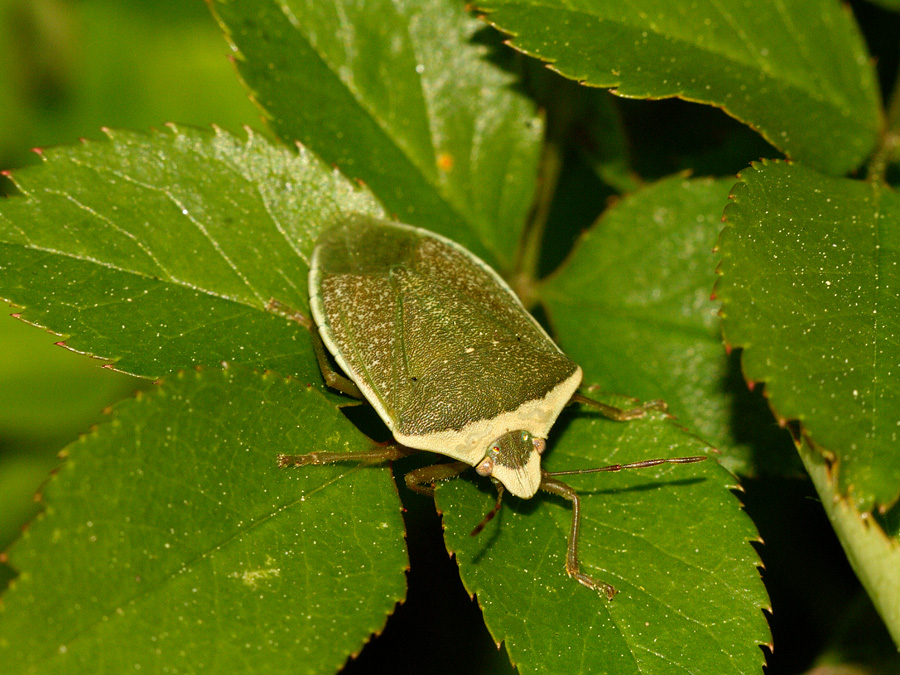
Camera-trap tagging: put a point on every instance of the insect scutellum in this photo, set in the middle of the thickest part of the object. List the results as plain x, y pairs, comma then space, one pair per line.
442, 348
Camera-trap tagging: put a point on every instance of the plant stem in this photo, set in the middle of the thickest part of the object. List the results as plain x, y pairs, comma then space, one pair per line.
872, 553
528, 257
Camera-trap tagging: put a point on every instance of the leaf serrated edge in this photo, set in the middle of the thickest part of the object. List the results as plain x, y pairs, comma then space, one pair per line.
872, 553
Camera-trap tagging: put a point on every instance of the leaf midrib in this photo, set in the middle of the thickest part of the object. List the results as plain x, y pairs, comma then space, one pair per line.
429, 179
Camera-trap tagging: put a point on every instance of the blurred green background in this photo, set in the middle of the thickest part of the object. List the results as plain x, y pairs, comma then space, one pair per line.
70, 67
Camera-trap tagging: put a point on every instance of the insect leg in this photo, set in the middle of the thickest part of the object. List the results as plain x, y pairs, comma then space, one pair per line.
618, 414
332, 378
490, 514
557, 487
422, 480
278, 307
378, 455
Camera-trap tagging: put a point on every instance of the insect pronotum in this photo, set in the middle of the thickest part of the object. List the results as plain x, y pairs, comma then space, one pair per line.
450, 359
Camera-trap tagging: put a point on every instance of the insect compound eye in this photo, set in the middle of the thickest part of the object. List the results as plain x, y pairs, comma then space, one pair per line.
539, 444
486, 466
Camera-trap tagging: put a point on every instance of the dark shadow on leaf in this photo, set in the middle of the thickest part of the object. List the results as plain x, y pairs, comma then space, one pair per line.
368, 422
502, 56
753, 424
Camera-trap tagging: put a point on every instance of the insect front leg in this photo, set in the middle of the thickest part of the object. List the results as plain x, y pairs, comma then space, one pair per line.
278, 307
422, 480
332, 378
557, 487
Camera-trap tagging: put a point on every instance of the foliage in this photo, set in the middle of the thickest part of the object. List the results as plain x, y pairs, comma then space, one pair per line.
169, 540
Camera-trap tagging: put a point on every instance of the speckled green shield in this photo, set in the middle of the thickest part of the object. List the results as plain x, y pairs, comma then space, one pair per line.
440, 346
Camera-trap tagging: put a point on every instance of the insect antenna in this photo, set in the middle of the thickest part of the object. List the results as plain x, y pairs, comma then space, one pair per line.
632, 465
490, 515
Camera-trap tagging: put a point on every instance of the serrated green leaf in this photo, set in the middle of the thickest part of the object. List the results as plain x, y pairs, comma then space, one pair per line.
163, 251
632, 306
811, 290
171, 534
797, 71
82, 284
449, 143
673, 541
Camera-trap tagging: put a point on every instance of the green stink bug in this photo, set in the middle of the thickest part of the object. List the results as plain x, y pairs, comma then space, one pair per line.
450, 359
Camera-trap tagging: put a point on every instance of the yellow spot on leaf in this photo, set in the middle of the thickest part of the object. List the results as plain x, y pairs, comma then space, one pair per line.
445, 161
